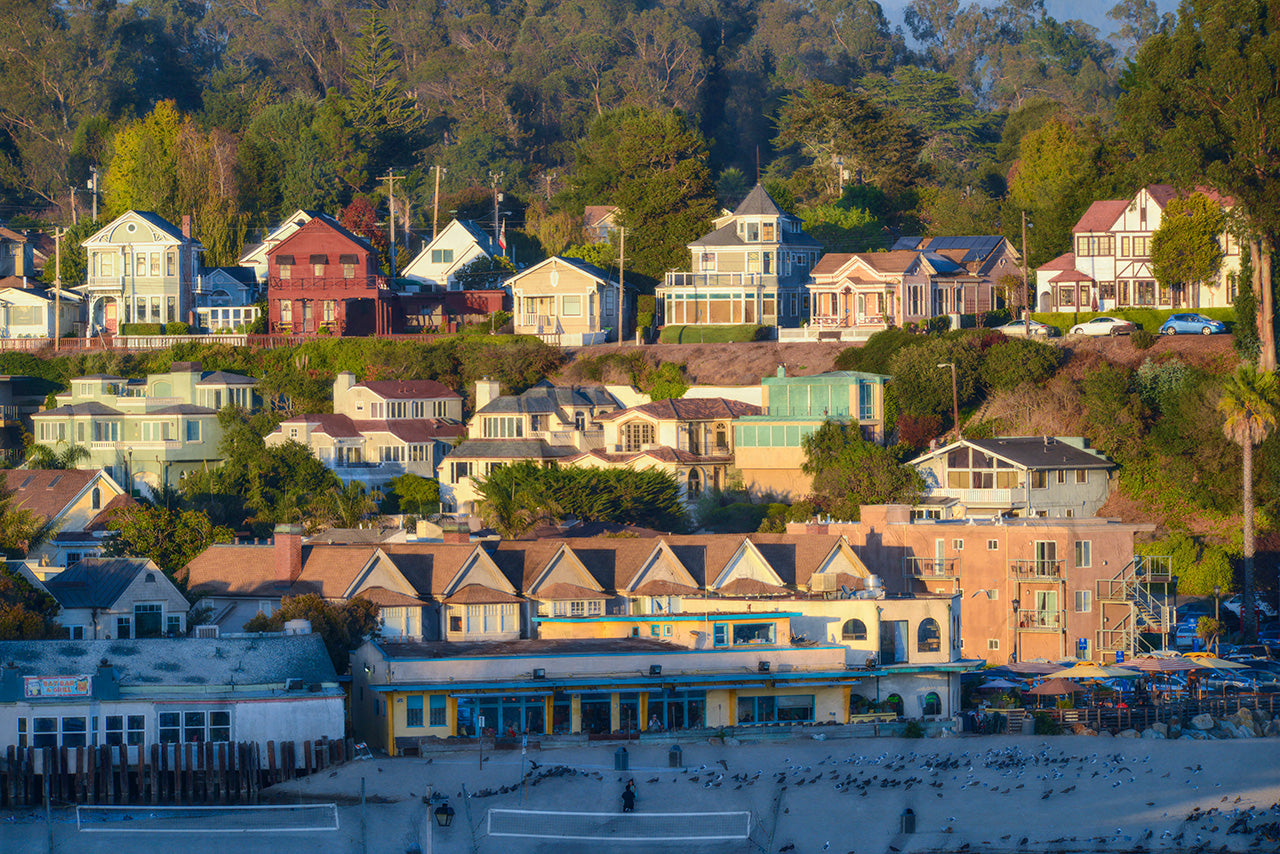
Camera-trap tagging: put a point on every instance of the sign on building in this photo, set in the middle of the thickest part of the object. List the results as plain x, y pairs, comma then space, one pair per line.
55, 686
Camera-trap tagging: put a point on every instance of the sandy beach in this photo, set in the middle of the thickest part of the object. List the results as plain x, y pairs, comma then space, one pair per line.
969, 794
998, 793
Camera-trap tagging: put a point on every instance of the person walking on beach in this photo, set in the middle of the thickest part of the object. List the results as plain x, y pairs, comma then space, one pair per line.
629, 796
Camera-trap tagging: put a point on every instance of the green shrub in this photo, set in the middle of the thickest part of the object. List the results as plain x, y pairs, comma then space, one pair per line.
997, 317
877, 353
141, 329
177, 327
1142, 339
939, 324
1045, 724
1014, 361
713, 334
913, 729
737, 518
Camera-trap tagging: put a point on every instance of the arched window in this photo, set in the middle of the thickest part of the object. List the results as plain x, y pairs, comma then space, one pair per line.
929, 636
894, 702
853, 630
694, 486
95, 499
932, 703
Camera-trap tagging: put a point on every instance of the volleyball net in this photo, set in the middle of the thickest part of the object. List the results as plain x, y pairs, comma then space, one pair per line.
620, 827
266, 818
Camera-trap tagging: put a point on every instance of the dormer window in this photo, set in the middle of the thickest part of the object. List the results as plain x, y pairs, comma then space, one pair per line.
753, 232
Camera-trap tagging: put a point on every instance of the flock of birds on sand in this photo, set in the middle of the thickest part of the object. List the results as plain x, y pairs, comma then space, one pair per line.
1046, 773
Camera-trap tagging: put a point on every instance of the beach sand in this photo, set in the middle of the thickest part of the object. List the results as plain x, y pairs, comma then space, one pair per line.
971, 794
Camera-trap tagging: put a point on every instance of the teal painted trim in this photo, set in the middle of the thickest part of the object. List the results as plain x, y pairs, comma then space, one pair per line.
640, 618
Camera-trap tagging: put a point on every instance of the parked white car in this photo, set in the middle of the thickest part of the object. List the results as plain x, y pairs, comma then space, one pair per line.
1104, 326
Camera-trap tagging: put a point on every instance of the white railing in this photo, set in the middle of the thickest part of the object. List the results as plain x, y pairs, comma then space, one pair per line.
720, 280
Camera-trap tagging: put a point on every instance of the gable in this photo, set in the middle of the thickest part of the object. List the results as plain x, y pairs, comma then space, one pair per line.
135, 227
661, 566
382, 572
556, 275
843, 559
564, 568
478, 569
319, 228
746, 564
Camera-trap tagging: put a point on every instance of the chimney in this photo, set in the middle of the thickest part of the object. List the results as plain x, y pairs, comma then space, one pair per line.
186, 226
287, 548
342, 383
486, 390
455, 534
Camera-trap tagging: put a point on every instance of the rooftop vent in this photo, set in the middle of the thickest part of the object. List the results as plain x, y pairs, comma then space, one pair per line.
655, 669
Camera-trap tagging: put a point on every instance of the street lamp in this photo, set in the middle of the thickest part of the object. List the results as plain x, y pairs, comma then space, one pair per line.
955, 396
1217, 627
1015, 603
444, 814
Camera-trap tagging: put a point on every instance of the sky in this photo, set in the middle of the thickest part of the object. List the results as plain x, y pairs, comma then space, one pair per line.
1092, 12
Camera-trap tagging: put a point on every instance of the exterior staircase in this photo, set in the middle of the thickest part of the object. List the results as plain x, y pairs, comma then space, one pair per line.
1128, 608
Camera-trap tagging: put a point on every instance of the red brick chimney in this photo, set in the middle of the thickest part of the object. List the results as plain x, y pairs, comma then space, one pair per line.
287, 549
186, 226
455, 533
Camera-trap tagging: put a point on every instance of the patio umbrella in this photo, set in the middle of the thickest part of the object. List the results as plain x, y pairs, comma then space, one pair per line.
998, 684
1089, 670
1164, 664
1035, 668
1056, 687
1204, 659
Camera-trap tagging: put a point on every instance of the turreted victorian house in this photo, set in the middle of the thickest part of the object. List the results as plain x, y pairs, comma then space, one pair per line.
750, 269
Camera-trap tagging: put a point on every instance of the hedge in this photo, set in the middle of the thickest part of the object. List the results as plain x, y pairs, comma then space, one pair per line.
1148, 318
142, 329
712, 334
177, 328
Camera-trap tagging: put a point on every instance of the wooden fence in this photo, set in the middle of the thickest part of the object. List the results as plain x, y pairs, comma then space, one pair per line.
160, 774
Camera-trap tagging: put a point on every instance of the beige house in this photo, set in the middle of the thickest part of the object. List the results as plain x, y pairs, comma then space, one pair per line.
141, 269
544, 424
568, 302
692, 440
379, 429
78, 505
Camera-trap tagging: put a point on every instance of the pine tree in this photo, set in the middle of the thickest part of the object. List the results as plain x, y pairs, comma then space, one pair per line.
386, 115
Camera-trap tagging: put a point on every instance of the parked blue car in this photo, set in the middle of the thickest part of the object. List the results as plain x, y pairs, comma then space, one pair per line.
1192, 324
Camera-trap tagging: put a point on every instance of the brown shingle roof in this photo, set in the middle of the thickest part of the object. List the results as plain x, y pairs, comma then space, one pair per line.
1071, 276
410, 389
665, 588
329, 570
384, 598
236, 570
1062, 262
46, 492
831, 263
561, 590
752, 587
476, 594
429, 567
414, 430
692, 409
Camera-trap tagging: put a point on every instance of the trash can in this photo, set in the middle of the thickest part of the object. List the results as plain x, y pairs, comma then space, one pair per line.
675, 757
908, 820
621, 761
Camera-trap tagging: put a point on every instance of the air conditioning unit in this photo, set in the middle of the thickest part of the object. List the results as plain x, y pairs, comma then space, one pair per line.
293, 684
206, 631
539, 673
762, 667
823, 583
655, 669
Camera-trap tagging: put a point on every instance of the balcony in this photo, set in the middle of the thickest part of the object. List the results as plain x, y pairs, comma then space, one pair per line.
931, 567
1004, 498
700, 281
1040, 621
1037, 568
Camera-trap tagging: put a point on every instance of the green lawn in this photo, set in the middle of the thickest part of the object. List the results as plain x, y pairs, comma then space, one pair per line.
711, 334
1148, 318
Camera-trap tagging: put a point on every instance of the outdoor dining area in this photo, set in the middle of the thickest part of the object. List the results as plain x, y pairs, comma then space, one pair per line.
1133, 694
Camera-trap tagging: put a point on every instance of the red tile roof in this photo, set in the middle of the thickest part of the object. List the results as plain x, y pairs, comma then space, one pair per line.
1062, 262
1071, 276
1101, 216
46, 492
690, 409
414, 430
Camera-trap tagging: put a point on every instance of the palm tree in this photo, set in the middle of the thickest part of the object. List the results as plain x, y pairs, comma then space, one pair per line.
515, 499
350, 505
57, 457
1248, 406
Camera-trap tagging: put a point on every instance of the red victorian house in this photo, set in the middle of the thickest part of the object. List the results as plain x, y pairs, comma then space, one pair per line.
325, 277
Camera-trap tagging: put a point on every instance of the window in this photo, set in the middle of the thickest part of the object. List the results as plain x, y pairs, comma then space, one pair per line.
637, 434
170, 724
155, 431
1062, 475
720, 634
502, 427
44, 732
455, 622
147, 617
122, 628
155, 265
753, 232
286, 271
1084, 553
125, 729
437, 710
655, 630
1082, 475
571, 305
866, 402
328, 310
74, 731
1084, 601
993, 545
441, 256
173, 624
1040, 479
932, 703
958, 545
853, 630
928, 636
170, 263
171, 310
753, 633
193, 431
993, 643
413, 711
763, 710
693, 486
74, 632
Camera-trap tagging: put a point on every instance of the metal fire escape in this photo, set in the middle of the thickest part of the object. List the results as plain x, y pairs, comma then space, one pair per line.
1128, 608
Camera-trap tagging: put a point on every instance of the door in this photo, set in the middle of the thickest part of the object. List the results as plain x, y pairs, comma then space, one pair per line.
1046, 557
893, 641
1047, 609
939, 556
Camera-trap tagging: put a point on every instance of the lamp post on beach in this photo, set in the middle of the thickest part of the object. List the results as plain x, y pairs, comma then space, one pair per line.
1217, 628
1015, 603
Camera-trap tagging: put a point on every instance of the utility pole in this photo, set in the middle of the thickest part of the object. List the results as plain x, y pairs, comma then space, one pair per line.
93, 186
391, 179
57, 287
622, 272
550, 178
71, 191
494, 178
435, 203
1026, 284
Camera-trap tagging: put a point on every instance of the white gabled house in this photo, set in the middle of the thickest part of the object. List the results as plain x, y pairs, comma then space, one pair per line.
457, 245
